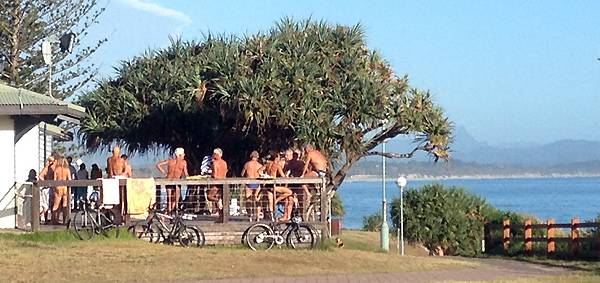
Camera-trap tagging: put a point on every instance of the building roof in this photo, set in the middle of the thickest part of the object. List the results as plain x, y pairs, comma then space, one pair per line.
18, 101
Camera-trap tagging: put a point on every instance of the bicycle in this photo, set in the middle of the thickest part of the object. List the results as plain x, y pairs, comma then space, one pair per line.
155, 230
294, 233
93, 219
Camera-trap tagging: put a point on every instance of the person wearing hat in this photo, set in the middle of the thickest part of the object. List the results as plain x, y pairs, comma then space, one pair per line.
176, 169
219, 171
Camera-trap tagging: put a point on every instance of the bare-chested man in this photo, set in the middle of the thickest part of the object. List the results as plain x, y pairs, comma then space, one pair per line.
316, 163
273, 169
128, 170
315, 166
219, 171
47, 174
294, 167
176, 169
61, 172
115, 164
251, 170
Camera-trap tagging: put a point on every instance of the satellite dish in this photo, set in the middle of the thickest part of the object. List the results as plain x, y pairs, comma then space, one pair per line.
47, 52
66, 42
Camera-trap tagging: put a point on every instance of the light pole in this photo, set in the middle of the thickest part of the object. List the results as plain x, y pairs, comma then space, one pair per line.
385, 229
401, 183
66, 43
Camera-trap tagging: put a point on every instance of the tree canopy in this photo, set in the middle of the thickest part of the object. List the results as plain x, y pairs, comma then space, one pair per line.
299, 83
25, 24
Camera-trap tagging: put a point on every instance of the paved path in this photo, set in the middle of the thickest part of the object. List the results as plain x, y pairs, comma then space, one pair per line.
490, 269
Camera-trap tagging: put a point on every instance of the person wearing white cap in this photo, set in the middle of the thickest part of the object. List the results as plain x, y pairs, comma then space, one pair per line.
176, 169
219, 171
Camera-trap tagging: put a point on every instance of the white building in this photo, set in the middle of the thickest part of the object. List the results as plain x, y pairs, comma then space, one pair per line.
26, 133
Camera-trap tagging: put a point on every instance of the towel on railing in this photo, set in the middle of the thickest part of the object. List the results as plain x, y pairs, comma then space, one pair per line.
140, 195
110, 191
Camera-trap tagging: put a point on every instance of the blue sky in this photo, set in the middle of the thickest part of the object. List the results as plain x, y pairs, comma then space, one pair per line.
509, 71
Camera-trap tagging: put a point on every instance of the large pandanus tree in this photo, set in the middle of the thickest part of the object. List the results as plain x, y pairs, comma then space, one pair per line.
301, 82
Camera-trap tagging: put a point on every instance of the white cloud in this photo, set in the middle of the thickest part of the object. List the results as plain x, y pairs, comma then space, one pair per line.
159, 10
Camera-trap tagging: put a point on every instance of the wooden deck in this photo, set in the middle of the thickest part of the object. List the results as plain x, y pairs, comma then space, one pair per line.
226, 229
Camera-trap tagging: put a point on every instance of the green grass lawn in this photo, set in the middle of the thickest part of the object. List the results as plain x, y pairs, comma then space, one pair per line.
60, 257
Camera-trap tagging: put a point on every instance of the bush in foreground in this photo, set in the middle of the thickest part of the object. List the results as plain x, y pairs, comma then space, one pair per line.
447, 220
372, 222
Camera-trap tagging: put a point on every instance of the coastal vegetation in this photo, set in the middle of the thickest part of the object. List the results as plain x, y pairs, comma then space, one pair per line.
372, 222
300, 82
447, 221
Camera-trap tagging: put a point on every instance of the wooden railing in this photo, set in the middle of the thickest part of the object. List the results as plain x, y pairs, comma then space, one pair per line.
227, 185
549, 235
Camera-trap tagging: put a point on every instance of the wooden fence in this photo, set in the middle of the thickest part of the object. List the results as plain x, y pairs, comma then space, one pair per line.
228, 185
546, 233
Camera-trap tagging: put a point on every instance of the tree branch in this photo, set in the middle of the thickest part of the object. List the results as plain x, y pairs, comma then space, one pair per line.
397, 155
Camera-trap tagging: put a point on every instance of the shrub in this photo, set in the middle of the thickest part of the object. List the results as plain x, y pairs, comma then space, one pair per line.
372, 222
449, 219
337, 206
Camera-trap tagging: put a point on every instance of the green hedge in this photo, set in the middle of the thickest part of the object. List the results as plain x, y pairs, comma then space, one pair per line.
372, 222
446, 218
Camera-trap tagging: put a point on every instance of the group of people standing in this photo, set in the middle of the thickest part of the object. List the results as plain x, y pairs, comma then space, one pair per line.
54, 200
290, 163
283, 164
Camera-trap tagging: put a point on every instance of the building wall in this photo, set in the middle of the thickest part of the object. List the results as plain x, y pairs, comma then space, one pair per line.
7, 175
47, 139
27, 154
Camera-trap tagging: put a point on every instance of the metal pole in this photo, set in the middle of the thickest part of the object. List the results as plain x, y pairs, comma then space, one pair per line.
402, 219
385, 230
398, 242
50, 79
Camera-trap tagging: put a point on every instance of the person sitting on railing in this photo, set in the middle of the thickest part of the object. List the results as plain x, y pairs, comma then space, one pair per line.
219, 171
294, 167
176, 169
273, 169
315, 166
251, 170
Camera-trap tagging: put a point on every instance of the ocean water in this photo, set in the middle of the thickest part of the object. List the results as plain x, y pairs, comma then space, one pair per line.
558, 198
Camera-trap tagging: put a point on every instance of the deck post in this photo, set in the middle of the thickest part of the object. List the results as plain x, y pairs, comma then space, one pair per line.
226, 201
506, 234
324, 211
67, 211
575, 236
35, 208
550, 235
528, 234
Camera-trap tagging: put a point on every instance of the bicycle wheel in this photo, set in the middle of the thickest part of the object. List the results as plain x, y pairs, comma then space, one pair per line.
188, 236
107, 225
302, 237
145, 232
84, 225
259, 237
201, 239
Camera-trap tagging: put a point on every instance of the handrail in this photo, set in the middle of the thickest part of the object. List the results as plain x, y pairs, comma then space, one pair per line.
207, 181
